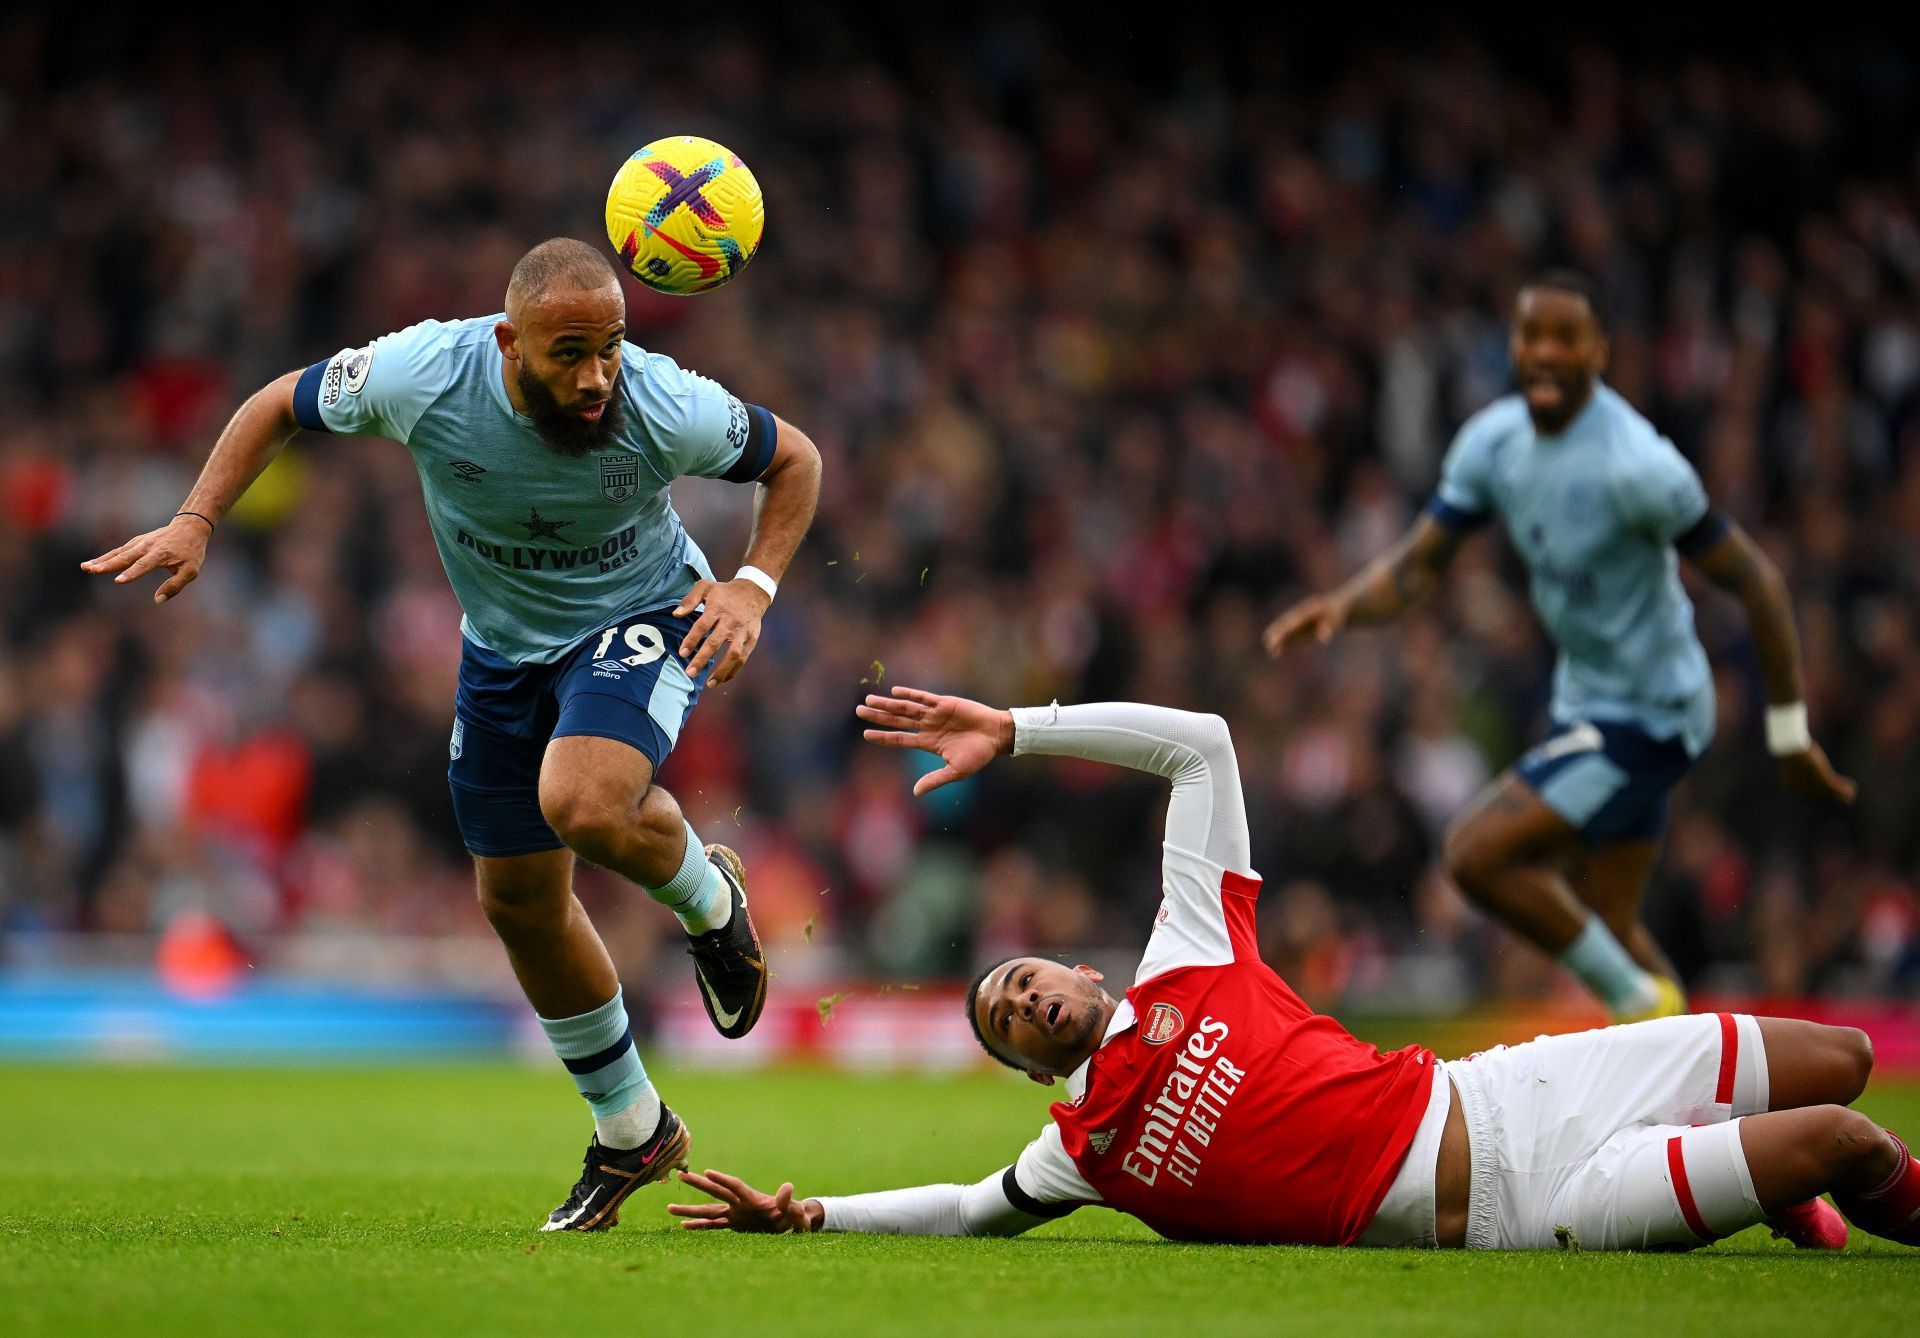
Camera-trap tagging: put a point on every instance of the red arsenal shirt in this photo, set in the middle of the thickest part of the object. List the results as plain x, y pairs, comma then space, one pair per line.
1228, 1109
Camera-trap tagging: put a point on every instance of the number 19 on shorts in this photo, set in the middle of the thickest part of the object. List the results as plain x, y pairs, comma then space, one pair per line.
643, 639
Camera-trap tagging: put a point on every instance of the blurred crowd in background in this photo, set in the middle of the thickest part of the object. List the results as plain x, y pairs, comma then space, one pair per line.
1112, 345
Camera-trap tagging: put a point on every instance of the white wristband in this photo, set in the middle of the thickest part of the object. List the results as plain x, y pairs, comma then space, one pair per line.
759, 578
1787, 732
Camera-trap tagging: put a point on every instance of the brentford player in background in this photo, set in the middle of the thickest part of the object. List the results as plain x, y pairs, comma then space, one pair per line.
1600, 508
1213, 1104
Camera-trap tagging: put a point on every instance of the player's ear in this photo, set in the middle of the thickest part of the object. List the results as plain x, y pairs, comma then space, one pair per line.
1089, 972
508, 339
1044, 1079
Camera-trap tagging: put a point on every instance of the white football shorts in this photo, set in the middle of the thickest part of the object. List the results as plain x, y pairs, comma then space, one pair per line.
1616, 1139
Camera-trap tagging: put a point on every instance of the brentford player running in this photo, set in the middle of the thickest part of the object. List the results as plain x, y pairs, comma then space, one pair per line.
1212, 1104
1597, 503
545, 445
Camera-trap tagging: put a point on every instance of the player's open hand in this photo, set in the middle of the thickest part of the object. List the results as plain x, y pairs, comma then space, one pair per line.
1811, 776
741, 1207
731, 619
1318, 617
181, 548
962, 733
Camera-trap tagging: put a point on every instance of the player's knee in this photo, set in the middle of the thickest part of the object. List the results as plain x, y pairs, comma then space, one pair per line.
515, 905
1852, 1059
1851, 1140
1469, 857
586, 818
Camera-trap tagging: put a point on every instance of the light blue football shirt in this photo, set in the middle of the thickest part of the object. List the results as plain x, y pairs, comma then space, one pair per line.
1594, 512
542, 549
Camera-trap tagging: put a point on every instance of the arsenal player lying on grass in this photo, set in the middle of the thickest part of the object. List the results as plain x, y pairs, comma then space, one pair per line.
1212, 1104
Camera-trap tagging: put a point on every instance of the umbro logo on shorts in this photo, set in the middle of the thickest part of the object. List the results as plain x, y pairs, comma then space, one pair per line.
467, 470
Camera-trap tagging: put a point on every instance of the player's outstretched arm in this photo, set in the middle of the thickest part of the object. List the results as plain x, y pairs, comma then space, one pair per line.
1737, 565
254, 436
962, 733
784, 504
981, 1209
1205, 815
1386, 587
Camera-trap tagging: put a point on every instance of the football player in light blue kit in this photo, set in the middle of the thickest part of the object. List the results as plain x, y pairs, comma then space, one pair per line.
545, 445
1597, 503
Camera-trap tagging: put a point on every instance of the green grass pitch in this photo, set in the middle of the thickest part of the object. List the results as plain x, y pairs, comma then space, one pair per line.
270, 1202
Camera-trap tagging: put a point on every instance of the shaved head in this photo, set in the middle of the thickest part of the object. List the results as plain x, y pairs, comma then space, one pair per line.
560, 265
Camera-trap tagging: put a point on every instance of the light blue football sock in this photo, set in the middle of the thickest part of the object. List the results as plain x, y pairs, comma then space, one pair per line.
697, 894
1608, 969
599, 1052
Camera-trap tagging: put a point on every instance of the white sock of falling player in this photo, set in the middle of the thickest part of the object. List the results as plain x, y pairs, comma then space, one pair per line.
1608, 969
697, 894
598, 1049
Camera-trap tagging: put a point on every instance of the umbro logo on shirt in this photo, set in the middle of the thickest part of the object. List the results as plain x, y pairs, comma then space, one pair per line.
467, 470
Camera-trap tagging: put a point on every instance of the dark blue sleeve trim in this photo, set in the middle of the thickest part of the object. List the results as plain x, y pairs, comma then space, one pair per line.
1026, 1203
306, 398
1453, 517
763, 434
1707, 531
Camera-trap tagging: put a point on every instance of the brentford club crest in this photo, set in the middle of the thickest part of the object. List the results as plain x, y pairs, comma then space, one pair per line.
1163, 1024
619, 477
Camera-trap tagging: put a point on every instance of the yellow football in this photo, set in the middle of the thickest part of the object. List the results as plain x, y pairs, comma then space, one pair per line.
685, 214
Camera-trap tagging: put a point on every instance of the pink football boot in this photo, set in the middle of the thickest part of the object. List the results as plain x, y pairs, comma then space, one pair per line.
1813, 1225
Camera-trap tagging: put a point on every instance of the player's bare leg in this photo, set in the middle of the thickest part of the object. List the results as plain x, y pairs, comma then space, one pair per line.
1809, 1064
598, 795
568, 977
1809, 1143
1796, 1155
557, 955
1613, 879
1508, 853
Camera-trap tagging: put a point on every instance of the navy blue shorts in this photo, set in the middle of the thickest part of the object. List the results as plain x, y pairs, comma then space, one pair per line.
1608, 779
624, 682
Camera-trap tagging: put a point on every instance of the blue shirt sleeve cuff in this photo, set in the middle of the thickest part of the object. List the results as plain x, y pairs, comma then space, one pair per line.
763, 434
1706, 532
1454, 517
306, 398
